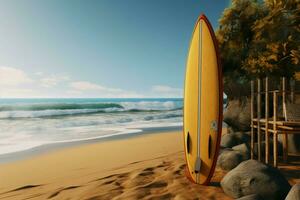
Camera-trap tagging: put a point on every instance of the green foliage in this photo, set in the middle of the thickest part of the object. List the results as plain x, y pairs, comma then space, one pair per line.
235, 36
276, 42
259, 39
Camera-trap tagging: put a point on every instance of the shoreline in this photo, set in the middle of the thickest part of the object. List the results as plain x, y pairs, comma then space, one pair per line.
48, 148
149, 166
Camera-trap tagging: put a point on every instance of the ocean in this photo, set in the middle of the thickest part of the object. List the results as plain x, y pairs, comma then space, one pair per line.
29, 123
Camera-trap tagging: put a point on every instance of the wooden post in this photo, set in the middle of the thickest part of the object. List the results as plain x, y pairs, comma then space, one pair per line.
252, 117
284, 138
275, 136
284, 98
267, 156
258, 119
285, 147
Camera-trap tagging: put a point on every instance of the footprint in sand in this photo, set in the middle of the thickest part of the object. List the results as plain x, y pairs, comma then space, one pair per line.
140, 177
57, 192
161, 197
23, 188
156, 184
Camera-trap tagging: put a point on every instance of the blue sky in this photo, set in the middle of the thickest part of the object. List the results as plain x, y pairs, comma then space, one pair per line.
103, 48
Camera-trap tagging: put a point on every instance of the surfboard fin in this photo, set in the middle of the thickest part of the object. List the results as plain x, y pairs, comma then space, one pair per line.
188, 142
197, 165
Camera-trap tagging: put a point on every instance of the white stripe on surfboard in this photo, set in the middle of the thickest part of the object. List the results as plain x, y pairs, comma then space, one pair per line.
198, 159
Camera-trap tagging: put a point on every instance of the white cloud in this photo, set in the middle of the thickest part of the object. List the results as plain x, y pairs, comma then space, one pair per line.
166, 91
17, 83
88, 89
84, 85
53, 80
10, 76
88, 86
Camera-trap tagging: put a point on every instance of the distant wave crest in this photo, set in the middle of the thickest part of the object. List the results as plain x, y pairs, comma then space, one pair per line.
58, 106
67, 109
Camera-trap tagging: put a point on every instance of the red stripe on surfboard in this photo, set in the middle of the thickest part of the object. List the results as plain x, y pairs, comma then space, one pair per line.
220, 120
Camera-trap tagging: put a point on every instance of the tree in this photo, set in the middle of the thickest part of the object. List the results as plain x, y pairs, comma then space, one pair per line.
275, 49
258, 39
235, 36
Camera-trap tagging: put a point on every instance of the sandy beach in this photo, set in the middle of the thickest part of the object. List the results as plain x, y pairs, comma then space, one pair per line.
149, 166
141, 100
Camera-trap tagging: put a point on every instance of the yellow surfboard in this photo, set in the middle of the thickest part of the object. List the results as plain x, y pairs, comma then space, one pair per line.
203, 104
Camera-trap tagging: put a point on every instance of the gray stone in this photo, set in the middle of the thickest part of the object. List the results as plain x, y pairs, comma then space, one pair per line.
223, 149
251, 197
244, 150
229, 159
293, 141
237, 114
232, 139
228, 140
242, 137
253, 177
294, 193
229, 129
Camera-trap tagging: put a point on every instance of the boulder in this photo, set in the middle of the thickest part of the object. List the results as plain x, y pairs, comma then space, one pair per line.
251, 197
229, 159
225, 125
244, 150
242, 137
228, 140
237, 114
253, 177
232, 139
229, 128
294, 193
294, 143
223, 149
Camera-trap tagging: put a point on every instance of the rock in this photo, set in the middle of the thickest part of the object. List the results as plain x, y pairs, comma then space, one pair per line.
232, 139
251, 197
253, 177
223, 149
244, 150
237, 114
229, 128
293, 141
228, 140
294, 193
229, 159
242, 137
